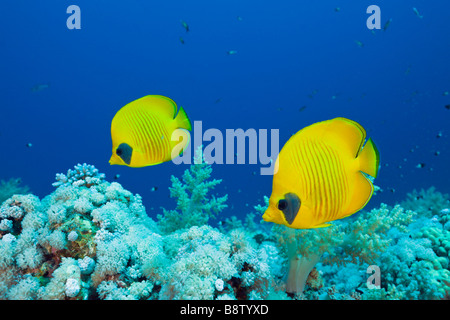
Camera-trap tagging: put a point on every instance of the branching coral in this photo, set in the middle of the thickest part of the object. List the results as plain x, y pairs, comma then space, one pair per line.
194, 206
359, 240
82, 174
366, 237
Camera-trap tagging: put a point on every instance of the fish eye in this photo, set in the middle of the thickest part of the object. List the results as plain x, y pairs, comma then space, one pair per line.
282, 204
119, 152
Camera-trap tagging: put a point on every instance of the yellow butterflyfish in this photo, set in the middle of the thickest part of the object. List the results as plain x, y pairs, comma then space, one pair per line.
321, 175
141, 131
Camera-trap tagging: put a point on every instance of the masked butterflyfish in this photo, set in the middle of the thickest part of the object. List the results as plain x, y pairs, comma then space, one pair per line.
321, 175
141, 132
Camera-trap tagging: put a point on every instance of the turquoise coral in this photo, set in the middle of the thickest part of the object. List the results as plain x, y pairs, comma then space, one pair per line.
194, 206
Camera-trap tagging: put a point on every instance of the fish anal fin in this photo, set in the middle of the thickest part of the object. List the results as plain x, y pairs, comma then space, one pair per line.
363, 190
322, 225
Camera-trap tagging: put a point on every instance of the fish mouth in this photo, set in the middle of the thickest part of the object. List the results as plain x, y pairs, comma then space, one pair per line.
112, 161
268, 215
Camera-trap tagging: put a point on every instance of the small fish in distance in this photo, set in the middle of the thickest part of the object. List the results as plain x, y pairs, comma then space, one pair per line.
387, 24
417, 13
185, 25
40, 87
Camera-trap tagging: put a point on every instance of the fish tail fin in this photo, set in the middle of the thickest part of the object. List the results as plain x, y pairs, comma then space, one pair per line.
182, 130
182, 120
369, 159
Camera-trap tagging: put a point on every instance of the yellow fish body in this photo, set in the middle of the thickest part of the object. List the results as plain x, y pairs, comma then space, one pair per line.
319, 175
141, 131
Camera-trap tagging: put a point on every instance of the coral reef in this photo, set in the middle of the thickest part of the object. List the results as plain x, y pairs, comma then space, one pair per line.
11, 187
203, 256
84, 234
92, 239
426, 202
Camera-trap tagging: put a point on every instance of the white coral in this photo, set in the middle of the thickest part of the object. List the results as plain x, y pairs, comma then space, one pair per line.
219, 284
72, 236
82, 205
8, 238
87, 265
5, 225
72, 287
56, 213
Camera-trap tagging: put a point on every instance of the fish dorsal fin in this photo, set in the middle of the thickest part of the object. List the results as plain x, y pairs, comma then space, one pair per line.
166, 107
342, 133
347, 134
162, 106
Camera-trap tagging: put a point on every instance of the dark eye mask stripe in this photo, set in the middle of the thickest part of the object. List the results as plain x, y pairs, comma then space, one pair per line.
125, 152
293, 206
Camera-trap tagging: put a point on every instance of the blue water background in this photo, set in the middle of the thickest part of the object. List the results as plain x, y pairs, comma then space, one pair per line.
290, 54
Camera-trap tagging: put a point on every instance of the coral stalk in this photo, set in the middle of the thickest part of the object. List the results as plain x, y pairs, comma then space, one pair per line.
299, 267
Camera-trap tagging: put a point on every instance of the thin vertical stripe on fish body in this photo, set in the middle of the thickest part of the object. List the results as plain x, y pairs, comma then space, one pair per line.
149, 133
142, 131
328, 187
319, 175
